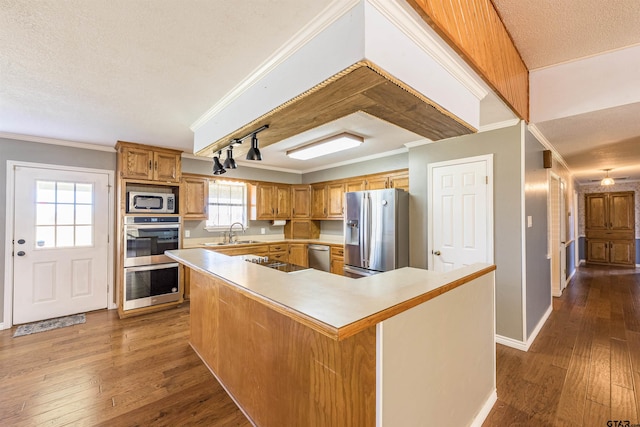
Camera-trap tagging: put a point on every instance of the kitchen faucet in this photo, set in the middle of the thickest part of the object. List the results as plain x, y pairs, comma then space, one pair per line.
231, 234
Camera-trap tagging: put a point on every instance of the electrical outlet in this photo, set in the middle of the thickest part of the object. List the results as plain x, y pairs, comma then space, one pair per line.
187, 233
263, 230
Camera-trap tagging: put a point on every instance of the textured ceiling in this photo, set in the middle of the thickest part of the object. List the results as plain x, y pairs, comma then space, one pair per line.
549, 32
144, 71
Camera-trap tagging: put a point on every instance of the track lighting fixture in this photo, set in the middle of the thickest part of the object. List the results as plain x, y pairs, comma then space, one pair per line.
254, 152
230, 163
607, 180
218, 169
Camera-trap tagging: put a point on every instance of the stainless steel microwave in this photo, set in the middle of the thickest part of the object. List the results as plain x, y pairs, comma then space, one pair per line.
141, 202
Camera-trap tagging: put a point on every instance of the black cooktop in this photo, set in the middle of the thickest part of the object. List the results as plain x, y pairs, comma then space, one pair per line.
286, 267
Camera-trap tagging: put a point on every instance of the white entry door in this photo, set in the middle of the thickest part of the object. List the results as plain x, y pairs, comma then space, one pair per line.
61, 229
461, 206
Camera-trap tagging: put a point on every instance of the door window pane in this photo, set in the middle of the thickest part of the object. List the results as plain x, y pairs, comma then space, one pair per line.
64, 214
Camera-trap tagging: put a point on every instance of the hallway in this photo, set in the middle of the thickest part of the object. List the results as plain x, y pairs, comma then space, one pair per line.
584, 367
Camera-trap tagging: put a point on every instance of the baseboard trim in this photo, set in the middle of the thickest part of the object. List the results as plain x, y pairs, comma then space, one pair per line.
522, 345
510, 342
2, 327
485, 410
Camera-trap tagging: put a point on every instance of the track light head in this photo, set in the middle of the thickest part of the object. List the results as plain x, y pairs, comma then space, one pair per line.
254, 152
230, 163
218, 169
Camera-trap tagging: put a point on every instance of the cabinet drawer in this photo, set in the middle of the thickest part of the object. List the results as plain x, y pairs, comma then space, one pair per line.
279, 248
279, 256
337, 251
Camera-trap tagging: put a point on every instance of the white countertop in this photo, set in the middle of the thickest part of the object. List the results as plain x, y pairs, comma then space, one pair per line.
335, 305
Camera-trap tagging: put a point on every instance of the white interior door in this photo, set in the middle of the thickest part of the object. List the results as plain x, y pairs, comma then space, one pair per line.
461, 214
61, 229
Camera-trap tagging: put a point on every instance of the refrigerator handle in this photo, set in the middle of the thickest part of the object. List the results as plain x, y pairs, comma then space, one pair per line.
367, 230
362, 230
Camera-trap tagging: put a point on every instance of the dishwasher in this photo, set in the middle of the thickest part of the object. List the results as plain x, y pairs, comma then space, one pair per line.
319, 257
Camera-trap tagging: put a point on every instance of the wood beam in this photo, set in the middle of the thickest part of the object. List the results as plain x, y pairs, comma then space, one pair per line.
474, 29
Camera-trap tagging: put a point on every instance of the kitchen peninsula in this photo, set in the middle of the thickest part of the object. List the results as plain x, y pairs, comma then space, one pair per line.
404, 347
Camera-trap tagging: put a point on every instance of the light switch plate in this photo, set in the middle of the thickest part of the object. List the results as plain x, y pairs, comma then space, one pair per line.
529, 221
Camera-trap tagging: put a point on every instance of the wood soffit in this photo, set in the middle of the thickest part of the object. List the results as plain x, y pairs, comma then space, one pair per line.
361, 87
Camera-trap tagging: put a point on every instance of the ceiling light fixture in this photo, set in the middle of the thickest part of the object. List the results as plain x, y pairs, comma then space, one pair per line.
218, 169
607, 180
333, 144
230, 163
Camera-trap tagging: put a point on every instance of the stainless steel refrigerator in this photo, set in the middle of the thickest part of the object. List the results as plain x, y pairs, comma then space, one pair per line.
376, 231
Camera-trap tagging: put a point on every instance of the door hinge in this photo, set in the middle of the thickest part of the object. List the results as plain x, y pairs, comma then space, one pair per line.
486, 179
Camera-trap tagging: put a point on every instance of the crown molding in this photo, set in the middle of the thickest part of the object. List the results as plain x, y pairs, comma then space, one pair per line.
545, 142
53, 141
412, 26
317, 25
499, 125
418, 143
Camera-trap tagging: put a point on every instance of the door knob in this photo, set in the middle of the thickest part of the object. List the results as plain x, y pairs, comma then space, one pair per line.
21, 253
436, 253
21, 242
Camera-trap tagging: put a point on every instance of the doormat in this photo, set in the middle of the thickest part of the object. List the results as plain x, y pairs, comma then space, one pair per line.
47, 325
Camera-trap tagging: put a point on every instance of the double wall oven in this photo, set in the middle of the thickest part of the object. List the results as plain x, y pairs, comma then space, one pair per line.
150, 277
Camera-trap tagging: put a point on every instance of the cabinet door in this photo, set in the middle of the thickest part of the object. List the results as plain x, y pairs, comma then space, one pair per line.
596, 211
377, 182
337, 266
319, 201
335, 194
264, 204
194, 195
282, 201
621, 211
356, 185
400, 181
301, 201
622, 252
166, 166
136, 163
298, 254
597, 251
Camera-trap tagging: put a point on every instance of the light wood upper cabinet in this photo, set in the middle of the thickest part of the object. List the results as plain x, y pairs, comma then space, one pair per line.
319, 201
377, 182
596, 208
621, 211
300, 201
335, 195
273, 201
355, 185
282, 202
194, 195
399, 180
136, 161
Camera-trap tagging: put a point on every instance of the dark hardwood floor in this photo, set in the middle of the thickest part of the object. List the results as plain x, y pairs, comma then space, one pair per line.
582, 370
108, 372
584, 367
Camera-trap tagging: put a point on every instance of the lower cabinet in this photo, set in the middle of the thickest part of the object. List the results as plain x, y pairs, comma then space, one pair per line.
619, 252
298, 254
279, 252
337, 260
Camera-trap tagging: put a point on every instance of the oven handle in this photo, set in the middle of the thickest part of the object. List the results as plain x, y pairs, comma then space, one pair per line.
151, 267
154, 225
